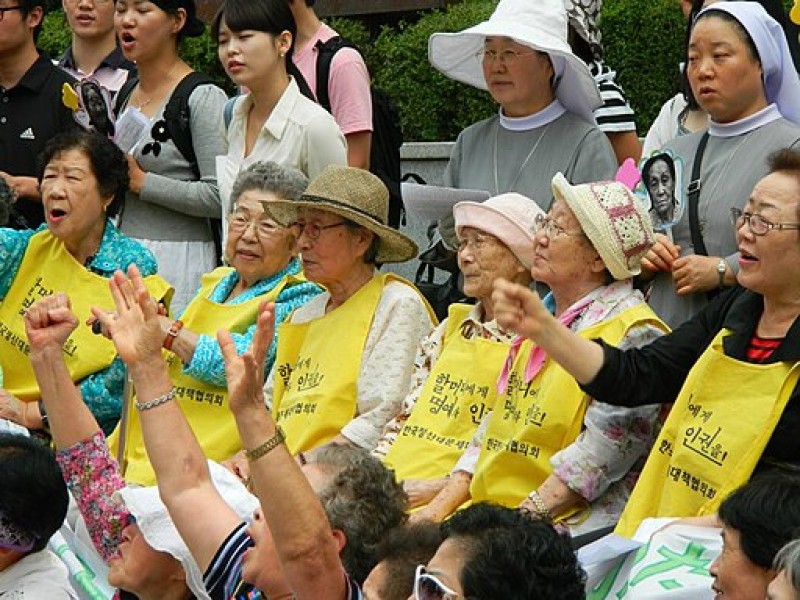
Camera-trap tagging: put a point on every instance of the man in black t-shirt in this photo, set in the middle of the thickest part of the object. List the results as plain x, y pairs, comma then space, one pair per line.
31, 110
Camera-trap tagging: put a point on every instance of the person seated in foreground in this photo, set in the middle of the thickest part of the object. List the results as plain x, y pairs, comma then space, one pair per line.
454, 382
399, 553
293, 549
33, 504
547, 445
786, 585
491, 552
738, 356
263, 266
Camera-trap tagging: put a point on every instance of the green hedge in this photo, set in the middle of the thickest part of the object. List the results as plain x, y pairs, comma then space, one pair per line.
433, 107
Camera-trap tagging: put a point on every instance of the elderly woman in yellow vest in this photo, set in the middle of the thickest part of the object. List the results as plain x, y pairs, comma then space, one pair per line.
263, 267
83, 181
346, 358
547, 445
733, 367
457, 365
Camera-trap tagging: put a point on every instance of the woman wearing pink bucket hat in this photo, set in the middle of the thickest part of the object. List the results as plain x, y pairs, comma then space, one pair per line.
457, 365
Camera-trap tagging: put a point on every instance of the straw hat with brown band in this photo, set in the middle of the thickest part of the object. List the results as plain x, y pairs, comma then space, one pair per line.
358, 196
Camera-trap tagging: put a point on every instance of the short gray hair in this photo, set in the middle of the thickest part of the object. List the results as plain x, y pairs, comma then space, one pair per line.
788, 560
267, 176
362, 499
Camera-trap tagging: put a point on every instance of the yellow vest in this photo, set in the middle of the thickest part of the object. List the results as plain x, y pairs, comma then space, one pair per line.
48, 268
460, 390
204, 405
536, 420
713, 438
317, 366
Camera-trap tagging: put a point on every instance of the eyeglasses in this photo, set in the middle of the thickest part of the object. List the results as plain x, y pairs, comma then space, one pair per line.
478, 243
95, 2
546, 224
428, 587
507, 58
240, 222
312, 230
757, 224
5, 9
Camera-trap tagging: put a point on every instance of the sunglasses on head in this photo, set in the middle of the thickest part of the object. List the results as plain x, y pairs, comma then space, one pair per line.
428, 587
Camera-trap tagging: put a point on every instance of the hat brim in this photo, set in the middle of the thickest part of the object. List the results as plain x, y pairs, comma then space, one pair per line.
393, 246
455, 55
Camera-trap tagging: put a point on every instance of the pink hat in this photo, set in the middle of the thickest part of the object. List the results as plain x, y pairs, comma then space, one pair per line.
508, 217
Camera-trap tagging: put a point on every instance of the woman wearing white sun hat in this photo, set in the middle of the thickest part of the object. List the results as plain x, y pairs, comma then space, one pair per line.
546, 95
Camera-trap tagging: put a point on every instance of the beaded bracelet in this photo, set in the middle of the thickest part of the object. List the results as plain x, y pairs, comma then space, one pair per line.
162, 399
265, 448
541, 508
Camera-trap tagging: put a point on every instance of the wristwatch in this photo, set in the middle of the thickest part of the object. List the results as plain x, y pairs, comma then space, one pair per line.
722, 268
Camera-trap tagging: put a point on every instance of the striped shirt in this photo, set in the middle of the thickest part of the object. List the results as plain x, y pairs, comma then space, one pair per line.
223, 579
760, 349
615, 115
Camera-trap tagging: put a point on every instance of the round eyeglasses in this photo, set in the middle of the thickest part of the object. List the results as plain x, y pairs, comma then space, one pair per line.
545, 224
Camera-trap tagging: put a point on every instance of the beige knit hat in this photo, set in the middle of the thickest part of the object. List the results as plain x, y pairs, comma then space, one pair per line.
356, 195
613, 219
508, 217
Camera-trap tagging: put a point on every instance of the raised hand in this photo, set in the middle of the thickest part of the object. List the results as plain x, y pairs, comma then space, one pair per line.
245, 373
49, 323
134, 328
518, 308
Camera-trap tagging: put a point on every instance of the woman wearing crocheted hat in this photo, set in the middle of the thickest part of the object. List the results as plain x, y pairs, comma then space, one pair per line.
546, 97
548, 445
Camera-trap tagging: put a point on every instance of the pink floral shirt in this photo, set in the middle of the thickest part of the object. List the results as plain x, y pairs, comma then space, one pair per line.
92, 475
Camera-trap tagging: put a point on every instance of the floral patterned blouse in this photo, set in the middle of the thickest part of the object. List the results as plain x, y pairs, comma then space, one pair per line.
92, 475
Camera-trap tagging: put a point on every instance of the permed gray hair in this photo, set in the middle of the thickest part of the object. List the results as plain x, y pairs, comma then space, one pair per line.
788, 560
267, 176
362, 499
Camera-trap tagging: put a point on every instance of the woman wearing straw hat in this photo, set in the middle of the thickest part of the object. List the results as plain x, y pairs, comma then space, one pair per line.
345, 359
457, 365
751, 93
546, 95
548, 445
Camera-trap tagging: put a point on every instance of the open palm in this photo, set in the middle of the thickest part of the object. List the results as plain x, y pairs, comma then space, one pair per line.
134, 328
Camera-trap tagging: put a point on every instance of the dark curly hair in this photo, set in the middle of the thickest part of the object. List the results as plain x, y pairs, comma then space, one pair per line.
362, 499
513, 556
109, 165
33, 495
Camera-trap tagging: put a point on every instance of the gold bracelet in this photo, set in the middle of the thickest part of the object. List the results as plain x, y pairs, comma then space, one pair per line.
268, 446
541, 508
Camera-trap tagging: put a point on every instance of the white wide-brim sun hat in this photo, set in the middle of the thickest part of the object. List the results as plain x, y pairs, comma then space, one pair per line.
538, 24
155, 524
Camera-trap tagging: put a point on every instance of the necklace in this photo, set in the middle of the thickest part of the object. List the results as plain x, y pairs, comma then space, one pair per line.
141, 104
524, 162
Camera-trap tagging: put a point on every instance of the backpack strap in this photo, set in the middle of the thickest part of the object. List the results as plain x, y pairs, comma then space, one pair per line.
227, 111
124, 93
178, 115
327, 50
694, 198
